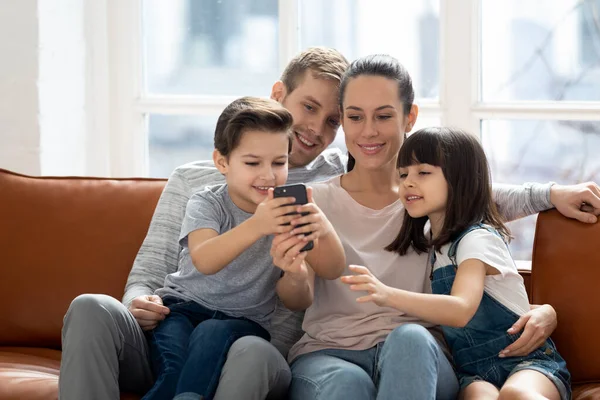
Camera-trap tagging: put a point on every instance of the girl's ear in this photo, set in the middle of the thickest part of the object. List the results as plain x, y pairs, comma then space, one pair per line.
220, 162
412, 118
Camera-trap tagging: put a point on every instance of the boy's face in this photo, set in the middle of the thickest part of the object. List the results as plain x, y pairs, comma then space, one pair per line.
314, 108
259, 162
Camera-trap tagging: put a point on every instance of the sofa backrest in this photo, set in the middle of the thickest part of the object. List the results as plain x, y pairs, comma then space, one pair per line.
60, 237
566, 274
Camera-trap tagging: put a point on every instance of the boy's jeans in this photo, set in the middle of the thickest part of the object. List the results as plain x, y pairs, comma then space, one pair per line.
189, 348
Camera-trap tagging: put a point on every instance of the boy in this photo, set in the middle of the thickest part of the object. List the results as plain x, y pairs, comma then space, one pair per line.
225, 287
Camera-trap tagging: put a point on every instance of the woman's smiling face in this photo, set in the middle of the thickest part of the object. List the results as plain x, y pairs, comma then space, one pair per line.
373, 120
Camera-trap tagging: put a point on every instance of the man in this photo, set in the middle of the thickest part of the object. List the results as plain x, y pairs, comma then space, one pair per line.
104, 347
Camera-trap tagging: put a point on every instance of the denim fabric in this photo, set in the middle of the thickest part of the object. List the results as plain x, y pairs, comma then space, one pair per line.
410, 364
476, 346
189, 348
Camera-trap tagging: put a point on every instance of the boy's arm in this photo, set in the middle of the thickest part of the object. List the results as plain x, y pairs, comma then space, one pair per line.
211, 252
296, 287
159, 252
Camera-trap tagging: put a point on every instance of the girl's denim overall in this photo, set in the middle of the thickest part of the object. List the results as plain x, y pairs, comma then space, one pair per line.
476, 346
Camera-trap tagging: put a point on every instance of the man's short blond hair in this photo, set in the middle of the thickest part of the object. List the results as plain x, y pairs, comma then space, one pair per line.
323, 62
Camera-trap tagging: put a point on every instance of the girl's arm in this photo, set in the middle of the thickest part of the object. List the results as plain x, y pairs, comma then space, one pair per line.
455, 310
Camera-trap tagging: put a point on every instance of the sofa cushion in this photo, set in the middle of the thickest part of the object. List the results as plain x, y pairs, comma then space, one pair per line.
566, 274
29, 373
32, 374
61, 237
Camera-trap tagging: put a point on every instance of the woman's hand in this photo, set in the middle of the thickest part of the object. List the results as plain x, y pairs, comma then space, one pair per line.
539, 323
365, 281
316, 222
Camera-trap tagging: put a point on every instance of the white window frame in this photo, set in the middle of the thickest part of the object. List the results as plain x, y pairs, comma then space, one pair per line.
459, 104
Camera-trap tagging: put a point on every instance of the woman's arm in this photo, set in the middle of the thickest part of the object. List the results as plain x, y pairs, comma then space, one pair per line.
455, 309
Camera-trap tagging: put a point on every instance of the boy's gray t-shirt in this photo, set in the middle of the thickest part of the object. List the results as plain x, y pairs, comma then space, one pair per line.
246, 286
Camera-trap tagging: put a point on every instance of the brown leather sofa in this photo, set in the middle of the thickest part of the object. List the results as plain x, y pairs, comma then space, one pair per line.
60, 237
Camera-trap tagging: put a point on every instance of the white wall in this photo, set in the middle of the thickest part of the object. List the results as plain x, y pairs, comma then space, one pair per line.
61, 85
53, 87
19, 127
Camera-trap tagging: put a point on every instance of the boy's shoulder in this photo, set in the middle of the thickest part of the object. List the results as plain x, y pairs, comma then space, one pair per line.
217, 192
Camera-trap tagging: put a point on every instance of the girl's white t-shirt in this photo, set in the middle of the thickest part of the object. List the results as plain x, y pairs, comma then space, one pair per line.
507, 287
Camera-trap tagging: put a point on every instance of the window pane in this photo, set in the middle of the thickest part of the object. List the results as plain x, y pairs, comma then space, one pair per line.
207, 47
540, 151
407, 30
540, 50
178, 139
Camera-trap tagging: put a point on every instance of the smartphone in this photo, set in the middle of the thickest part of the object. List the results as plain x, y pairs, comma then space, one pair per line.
297, 191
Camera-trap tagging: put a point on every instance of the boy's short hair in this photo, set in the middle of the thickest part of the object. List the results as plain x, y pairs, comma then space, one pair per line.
323, 62
250, 113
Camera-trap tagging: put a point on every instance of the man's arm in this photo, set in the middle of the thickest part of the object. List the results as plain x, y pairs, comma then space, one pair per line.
159, 252
581, 201
514, 201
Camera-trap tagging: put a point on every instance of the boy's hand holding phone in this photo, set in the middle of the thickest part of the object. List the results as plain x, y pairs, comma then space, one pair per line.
270, 215
311, 220
287, 255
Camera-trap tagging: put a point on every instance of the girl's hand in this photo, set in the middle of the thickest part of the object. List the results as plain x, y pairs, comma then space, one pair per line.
317, 223
286, 254
365, 281
269, 217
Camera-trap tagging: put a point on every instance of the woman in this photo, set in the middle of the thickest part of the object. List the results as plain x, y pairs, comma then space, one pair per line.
362, 351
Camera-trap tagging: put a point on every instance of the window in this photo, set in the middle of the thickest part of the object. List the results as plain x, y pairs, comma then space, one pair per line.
523, 75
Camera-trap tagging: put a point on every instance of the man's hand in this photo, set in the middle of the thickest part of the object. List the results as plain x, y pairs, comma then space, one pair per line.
148, 311
539, 324
581, 202
269, 217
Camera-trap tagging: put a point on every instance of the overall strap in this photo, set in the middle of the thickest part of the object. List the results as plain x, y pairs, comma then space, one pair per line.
454, 245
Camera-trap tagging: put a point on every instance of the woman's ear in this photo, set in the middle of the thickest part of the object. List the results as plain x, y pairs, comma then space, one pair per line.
220, 162
412, 117
278, 92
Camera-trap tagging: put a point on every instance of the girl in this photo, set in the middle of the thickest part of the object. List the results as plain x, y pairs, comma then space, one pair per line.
478, 293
